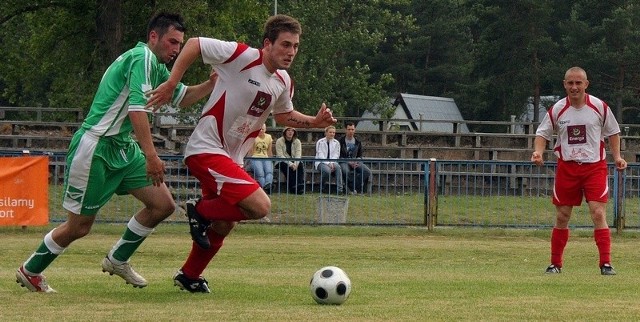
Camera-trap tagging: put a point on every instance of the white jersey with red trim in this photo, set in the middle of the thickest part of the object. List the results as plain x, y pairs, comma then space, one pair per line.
244, 95
580, 130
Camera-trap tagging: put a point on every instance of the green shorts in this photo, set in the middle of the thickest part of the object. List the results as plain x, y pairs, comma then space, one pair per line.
99, 167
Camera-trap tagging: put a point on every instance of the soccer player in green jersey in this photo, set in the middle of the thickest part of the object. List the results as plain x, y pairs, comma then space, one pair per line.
104, 159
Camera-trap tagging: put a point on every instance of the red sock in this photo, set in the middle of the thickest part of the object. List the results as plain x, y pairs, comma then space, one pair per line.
219, 209
559, 238
603, 241
199, 257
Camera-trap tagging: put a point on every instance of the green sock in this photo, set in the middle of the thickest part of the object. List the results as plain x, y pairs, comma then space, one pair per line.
46, 253
130, 241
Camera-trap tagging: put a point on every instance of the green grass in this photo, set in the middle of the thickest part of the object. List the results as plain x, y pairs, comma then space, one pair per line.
398, 274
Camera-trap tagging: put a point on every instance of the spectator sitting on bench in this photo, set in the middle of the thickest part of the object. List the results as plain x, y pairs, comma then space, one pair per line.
289, 146
329, 148
355, 172
263, 169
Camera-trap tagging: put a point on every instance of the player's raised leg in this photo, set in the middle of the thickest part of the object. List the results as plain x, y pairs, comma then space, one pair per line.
158, 206
189, 275
29, 275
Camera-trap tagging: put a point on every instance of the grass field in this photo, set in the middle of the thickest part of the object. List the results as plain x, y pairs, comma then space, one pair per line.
398, 274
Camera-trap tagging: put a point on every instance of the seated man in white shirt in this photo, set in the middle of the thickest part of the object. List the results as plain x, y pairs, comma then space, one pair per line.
356, 173
329, 148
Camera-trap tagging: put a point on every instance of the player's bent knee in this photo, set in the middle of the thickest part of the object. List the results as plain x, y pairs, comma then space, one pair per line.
258, 212
84, 231
74, 232
163, 209
169, 208
256, 206
223, 228
265, 209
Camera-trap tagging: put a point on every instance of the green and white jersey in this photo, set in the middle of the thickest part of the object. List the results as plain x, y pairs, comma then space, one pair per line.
122, 89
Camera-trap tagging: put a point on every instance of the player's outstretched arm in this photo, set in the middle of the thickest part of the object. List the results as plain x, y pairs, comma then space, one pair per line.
196, 92
162, 94
322, 119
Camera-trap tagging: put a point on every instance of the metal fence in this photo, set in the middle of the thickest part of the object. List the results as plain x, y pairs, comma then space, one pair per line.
401, 192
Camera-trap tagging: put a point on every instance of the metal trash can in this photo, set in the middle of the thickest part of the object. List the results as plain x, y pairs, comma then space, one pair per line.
332, 210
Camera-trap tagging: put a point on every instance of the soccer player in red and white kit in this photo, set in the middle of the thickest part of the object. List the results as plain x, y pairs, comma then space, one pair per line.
251, 84
581, 123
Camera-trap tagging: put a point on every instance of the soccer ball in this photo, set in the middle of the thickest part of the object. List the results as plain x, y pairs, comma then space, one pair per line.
330, 285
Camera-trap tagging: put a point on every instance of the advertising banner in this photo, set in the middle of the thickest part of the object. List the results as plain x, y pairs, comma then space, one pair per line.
24, 191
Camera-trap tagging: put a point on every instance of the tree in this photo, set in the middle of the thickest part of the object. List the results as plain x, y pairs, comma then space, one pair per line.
331, 66
489, 55
434, 55
513, 52
64, 46
604, 38
73, 41
41, 64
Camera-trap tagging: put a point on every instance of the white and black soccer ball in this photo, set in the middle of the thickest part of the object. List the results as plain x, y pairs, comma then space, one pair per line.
330, 285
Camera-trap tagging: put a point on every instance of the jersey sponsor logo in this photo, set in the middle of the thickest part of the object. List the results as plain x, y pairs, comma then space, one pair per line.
578, 154
241, 128
577, 134
252, 82
260, 104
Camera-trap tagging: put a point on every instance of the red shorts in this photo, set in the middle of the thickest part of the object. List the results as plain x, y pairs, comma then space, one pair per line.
219, 176
575, 180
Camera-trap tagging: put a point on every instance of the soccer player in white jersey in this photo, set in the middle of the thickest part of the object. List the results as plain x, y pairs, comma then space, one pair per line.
581, 123
252, 83
104, 159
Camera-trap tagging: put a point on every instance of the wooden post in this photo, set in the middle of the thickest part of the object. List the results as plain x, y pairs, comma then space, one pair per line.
431, 197
512, 128
403, 139
619, 215
155, 124
456, 130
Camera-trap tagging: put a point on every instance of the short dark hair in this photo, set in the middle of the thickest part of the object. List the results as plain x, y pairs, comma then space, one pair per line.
162, 21
348, 123
280, 23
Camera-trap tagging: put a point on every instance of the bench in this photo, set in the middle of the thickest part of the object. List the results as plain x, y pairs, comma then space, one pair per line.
404, 138
13, 119
401, 144
16, 126
29, 141
75, 114
174, 132
440, 152
384, 173
390, 175
383, 179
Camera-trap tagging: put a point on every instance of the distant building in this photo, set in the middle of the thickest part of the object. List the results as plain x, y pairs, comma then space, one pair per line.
527, 115
417, 107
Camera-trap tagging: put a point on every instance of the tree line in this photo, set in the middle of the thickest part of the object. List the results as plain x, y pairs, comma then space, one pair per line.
491, 56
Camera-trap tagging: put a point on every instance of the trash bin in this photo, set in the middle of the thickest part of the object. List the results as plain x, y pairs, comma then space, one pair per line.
332, 210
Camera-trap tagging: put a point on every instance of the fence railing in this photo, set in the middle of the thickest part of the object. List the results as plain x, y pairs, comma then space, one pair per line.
401, 192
